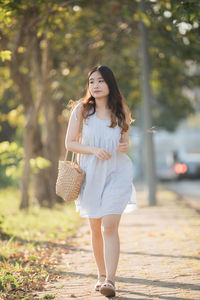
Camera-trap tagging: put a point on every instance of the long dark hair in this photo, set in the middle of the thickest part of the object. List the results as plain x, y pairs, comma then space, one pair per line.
116, 102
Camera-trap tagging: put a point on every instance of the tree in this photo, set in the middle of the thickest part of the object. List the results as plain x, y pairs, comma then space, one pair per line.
54, 43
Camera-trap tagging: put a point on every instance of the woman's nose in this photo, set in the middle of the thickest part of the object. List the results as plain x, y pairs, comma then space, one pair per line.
96, 84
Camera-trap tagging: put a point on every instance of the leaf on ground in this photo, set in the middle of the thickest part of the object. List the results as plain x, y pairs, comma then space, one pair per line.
151, 235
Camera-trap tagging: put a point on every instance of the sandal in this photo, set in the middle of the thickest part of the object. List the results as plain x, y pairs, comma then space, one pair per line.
108, 288
99, 283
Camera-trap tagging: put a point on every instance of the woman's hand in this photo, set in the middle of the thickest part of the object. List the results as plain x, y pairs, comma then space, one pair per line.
101, 153
123, 147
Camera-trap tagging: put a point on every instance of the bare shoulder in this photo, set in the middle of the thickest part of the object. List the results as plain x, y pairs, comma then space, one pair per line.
79, 107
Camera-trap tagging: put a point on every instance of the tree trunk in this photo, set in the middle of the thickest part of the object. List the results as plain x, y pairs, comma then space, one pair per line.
52, 145
52, 109
40, 180
26, 171
32, 138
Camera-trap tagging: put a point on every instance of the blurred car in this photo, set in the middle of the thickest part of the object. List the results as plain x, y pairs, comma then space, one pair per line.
165, 171
188, 166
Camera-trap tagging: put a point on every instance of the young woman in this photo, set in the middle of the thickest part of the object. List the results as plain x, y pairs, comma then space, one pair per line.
107, 190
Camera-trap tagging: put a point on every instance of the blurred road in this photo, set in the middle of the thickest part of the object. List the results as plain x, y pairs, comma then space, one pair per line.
187, 188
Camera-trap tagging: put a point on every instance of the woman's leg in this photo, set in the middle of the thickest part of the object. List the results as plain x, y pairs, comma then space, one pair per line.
97, 244
111, 244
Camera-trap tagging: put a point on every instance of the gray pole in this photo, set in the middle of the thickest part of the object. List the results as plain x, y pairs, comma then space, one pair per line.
149, 161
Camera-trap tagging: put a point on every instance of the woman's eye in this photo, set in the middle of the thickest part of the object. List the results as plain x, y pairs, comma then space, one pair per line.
100, 81
91, 82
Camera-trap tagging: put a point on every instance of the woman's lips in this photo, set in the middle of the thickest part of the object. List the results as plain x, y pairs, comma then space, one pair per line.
97, 91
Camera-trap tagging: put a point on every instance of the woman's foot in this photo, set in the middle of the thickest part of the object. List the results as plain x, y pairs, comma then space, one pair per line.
100, 281
108, 288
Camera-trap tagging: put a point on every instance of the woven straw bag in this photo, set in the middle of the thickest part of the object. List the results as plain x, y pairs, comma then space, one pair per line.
70, 177
69, 180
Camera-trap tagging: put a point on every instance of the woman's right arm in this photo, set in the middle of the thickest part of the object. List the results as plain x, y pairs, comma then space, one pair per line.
72, 135
73, 129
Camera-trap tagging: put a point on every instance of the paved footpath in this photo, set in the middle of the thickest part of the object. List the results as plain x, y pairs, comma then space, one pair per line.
159, 258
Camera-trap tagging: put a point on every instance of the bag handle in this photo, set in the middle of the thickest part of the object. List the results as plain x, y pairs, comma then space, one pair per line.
75, 153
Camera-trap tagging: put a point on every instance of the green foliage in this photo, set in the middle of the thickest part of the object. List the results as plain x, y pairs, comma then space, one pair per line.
2, 220
11, 113
10, 153
173, 43
78, 35
38, 164
11, 161
5, 55
49, 296
81, 36
10, 280
41, 224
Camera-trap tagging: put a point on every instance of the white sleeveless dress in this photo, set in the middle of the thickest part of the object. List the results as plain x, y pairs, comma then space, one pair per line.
108, 185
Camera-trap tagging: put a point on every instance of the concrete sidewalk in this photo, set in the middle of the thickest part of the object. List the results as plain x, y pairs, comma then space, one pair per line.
159, 259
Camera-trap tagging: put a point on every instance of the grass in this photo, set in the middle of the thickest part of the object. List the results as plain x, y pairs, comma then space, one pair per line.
31, 243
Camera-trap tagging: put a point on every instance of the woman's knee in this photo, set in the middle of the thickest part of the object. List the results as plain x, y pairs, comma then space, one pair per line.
95, 226
110, 225
110, 230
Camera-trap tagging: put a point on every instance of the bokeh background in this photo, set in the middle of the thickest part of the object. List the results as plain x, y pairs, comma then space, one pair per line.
47, 48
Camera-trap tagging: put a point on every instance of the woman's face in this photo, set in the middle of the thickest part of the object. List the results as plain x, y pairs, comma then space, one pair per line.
97, 86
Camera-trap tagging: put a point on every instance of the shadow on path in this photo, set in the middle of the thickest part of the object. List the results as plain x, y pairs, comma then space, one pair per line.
152, 283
